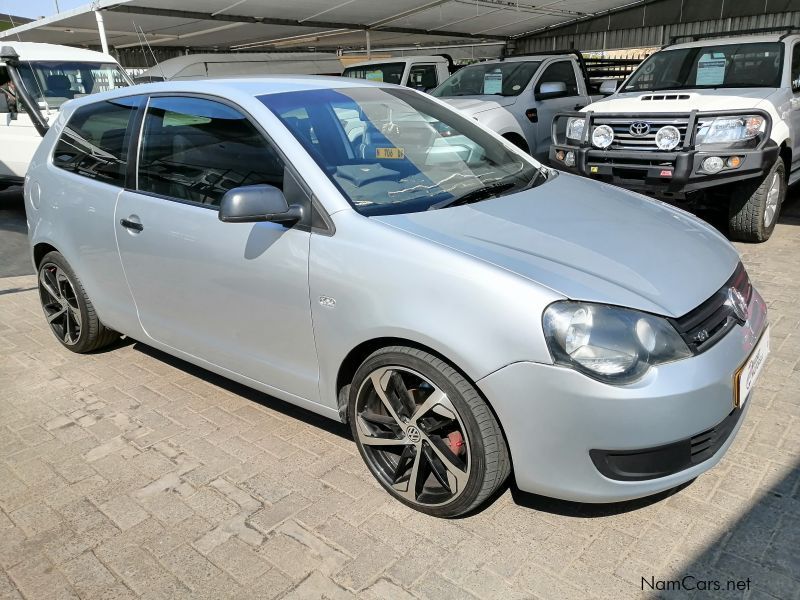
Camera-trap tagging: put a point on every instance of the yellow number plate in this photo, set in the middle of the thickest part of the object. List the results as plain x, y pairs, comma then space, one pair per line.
390, 153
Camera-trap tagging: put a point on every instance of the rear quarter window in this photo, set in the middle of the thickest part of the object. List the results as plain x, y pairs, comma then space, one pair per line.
94, 143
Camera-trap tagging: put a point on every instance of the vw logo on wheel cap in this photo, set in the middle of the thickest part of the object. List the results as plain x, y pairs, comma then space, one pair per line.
639, 128
413, 434
737, 302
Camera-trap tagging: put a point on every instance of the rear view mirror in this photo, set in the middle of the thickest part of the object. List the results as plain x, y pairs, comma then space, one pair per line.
551, 89
608, 87
258, 203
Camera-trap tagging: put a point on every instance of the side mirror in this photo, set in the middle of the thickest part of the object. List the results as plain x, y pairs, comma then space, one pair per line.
608, 87
256, 204
551, 89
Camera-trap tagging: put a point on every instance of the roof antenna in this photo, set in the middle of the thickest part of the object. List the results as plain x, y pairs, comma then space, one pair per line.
142, 41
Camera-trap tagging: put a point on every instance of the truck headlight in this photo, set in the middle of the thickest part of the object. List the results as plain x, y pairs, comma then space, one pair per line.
575, 127
609, 343
730, 129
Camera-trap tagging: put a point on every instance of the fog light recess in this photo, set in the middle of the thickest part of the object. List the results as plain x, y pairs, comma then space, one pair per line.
569, 159
733, 162
560, 155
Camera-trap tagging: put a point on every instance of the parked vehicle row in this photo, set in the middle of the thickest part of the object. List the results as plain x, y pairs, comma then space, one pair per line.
369, 253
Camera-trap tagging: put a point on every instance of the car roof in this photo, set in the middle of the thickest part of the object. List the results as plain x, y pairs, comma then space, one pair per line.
398, 59
236, 86
37, 51
741, 39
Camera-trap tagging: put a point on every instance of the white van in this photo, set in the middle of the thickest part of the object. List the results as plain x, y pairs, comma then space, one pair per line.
51, 75
201, 66
420, 72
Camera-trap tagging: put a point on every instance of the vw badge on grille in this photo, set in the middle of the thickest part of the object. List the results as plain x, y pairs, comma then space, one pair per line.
738, 303
639, 128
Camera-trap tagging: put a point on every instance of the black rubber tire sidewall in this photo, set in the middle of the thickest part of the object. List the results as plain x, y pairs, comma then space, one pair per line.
748, 202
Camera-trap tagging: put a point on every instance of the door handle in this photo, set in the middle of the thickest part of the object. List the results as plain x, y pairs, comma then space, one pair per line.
131, 225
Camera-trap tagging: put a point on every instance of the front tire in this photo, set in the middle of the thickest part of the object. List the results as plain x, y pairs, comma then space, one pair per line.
754, 207
68, 309
425, 432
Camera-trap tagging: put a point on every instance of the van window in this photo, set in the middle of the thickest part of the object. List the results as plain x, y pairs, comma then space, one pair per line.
94, 142
796, 68
422, 77
195, 150
560, 71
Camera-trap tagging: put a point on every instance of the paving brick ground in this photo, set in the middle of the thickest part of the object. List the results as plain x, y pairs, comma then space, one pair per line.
131, 474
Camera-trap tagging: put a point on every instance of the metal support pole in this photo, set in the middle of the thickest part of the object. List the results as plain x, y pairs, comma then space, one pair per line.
369, 46
101, 28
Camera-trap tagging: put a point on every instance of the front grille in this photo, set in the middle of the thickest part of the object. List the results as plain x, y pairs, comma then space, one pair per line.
625, 140
704, 326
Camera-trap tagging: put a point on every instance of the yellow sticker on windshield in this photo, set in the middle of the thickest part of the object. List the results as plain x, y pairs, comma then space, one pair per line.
390, 153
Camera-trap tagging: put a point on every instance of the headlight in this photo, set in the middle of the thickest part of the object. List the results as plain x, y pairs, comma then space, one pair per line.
609, 343
730, 129
575, 127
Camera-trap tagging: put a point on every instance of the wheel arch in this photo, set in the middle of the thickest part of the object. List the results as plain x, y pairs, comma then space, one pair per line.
40, 250
785, 152
517, 139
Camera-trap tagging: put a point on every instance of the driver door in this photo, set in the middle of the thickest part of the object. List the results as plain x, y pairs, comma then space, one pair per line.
232, 294
558, 71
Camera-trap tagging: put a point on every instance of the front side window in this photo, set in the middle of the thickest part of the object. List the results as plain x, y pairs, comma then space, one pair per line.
710, 67
393, 151
195, 150
55, 82
506, 78
796, 68
94, 143
422, 77
385, 72
561, 71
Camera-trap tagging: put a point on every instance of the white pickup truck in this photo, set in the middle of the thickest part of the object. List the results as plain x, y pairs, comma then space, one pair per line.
518, 96
43, 77
709, 123
419, 72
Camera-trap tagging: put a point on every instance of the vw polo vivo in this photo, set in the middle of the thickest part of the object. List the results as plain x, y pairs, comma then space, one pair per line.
366, 252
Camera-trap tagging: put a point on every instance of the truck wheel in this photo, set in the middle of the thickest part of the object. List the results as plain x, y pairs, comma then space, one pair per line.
754, 207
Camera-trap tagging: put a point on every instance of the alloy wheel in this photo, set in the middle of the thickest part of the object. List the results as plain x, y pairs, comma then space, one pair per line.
412, 436
60, 303
773, 197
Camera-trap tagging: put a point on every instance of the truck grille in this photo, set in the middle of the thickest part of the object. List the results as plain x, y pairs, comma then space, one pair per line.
624, 139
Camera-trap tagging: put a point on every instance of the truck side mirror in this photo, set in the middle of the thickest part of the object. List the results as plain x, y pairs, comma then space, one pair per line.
551, 89
608, 87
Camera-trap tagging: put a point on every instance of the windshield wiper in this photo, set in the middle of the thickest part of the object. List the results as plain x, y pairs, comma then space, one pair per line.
482, 193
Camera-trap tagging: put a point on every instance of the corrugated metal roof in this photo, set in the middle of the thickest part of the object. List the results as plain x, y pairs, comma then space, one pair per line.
252, 24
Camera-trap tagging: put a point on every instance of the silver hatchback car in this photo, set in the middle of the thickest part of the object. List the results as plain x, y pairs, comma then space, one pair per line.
368, 253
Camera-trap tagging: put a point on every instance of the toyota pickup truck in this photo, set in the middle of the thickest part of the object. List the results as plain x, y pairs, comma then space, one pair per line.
712, 123
35, 80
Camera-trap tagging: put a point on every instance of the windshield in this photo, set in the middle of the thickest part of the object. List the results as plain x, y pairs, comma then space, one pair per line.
727, 66
55, 82
387, 72
502, 79
393, 151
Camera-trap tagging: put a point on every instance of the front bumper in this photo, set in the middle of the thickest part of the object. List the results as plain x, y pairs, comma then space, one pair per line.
667, 173
555, 418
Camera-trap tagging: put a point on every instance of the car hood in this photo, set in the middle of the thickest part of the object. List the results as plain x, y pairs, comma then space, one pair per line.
588, 241
634, 102
475, 104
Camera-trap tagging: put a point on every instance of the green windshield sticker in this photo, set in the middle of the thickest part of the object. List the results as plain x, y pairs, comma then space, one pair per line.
375, 75
710, 70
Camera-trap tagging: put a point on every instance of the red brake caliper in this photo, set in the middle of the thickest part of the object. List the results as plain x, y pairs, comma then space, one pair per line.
456, 442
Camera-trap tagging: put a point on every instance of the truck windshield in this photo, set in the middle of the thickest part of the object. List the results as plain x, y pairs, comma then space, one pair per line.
724, 66
392, 151
498, 78
55, 82
386, 72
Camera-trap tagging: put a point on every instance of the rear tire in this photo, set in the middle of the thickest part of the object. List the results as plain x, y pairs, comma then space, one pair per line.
436, 446
755, 206
68, 309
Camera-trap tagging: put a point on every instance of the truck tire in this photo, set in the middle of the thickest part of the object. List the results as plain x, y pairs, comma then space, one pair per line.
755, 206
